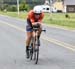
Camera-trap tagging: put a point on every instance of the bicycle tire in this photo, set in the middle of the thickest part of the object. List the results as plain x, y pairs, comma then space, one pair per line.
36, 55
31, 51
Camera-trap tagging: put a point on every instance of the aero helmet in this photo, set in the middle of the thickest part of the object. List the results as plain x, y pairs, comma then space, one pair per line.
37, 9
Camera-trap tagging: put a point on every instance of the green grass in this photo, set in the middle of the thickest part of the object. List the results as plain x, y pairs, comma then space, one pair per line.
13, 14
22, 15
58, 19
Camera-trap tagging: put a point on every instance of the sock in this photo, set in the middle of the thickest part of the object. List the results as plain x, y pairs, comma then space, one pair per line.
27, 48
38, 36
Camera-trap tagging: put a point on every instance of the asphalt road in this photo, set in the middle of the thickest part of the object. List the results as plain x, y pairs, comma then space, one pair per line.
57, 50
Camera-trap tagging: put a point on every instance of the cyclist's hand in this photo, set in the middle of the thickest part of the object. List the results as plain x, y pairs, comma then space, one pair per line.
33, 24
36, 23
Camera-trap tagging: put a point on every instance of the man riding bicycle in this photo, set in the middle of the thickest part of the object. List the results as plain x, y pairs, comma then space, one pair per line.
34, 18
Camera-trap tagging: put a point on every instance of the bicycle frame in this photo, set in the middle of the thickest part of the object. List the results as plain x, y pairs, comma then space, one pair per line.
35, 45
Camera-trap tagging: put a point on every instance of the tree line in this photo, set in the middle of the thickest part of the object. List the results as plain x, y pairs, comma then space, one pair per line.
25, 5
11, 5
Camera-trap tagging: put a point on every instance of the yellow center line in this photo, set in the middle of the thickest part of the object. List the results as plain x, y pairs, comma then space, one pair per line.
57, 42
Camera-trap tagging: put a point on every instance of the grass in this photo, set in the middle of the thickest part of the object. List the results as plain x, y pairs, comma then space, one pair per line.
57, 19
60, 20
22, 15
13, 14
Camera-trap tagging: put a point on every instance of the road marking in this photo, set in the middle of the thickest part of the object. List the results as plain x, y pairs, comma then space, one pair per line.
57, 42
13, 26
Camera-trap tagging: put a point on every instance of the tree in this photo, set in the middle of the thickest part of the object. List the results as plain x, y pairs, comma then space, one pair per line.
24, 6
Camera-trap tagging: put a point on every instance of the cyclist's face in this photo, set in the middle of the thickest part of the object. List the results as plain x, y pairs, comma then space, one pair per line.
37, 16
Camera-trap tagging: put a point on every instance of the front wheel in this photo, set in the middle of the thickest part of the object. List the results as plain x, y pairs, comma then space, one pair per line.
31, 52
36, 54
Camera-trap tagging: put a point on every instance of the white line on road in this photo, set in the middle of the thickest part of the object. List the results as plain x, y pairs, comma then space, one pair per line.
13, 26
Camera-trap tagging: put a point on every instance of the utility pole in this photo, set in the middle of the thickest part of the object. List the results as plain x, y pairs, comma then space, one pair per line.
18, 7
50, 9
50, 5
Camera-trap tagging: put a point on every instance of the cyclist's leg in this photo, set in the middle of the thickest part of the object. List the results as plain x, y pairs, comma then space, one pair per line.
39, 34
29, 36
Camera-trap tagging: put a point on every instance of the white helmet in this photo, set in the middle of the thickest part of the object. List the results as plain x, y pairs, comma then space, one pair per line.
37, 9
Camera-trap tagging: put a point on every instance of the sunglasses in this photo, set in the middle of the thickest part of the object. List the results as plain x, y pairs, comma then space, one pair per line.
37, 13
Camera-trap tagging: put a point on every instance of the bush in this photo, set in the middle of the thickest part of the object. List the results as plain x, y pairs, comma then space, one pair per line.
3, 7
67, 16
24, 6
12, 8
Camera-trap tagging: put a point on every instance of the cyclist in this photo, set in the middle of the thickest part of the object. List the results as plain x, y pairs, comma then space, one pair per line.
34, 16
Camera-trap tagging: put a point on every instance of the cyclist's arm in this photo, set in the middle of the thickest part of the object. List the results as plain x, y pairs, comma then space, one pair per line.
30, 16
39, 21
35, 23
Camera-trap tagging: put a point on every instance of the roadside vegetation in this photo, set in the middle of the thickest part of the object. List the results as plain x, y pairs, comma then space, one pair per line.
22, 14
56, 19
60, 19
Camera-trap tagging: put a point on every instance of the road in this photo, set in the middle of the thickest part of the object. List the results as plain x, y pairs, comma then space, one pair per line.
57, 50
